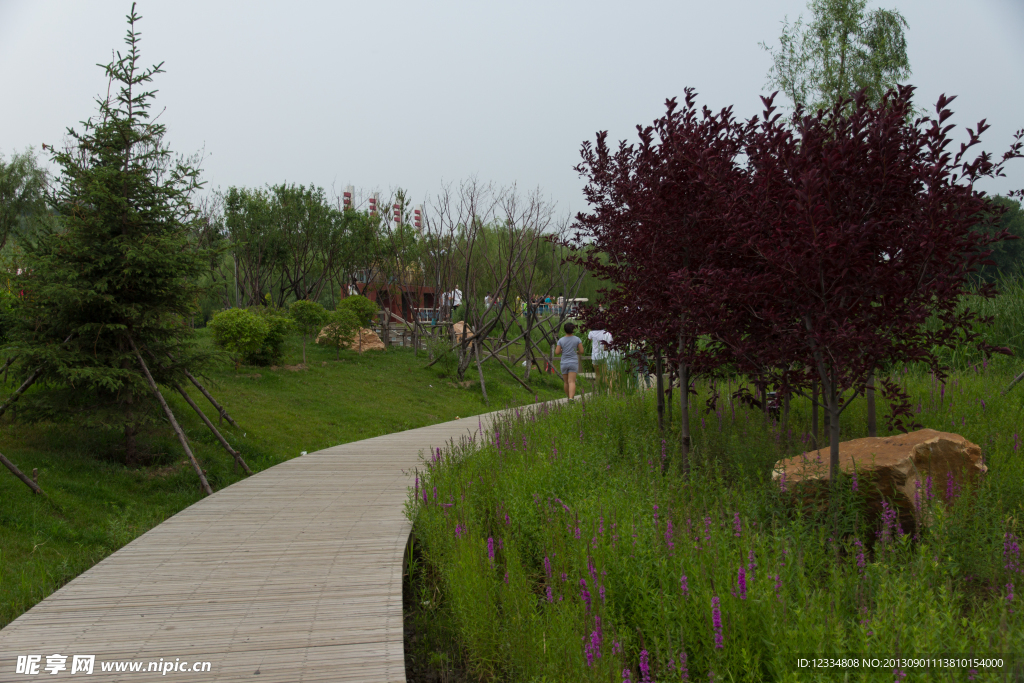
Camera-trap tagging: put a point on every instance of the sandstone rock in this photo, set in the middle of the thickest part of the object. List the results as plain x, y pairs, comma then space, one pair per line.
457, 329
896, 467
370, 340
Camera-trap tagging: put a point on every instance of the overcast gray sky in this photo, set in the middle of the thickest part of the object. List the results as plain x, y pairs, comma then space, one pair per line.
412, 94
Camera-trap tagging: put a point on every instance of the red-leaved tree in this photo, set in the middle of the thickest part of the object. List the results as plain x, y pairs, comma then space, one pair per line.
654, 228
853, 231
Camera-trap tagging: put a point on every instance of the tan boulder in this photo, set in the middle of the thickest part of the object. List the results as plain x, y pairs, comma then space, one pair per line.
899, 467
458, 328
365, 340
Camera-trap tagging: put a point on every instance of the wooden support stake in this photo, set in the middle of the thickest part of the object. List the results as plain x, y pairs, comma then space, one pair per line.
17, 394
170, 416
220, 409
223, 442
21, 475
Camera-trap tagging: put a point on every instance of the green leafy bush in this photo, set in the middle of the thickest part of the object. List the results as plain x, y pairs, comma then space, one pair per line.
341, 326
309, 317
361, 306
255, 338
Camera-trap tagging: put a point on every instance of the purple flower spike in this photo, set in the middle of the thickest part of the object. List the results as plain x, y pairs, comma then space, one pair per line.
490, 549
645, 668
626, 676
736, 525
684, 584
547, 566
741, 583
716, 618
551, 598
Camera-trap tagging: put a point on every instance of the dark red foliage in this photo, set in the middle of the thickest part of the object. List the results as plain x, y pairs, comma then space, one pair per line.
821, 248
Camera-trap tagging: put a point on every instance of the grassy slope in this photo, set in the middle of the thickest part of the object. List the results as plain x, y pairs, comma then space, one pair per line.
97, 504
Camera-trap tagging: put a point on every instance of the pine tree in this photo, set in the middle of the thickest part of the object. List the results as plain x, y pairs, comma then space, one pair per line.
108, 294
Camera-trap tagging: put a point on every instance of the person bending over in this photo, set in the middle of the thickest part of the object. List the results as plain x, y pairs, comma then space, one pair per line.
570, 348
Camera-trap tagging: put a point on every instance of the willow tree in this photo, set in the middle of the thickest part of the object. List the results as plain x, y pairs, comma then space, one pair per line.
845, 48
103, 320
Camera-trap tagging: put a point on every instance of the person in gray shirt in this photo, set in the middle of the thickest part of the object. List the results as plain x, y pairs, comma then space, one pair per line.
570, 348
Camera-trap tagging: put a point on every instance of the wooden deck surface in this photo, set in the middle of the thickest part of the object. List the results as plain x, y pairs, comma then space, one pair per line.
294, 574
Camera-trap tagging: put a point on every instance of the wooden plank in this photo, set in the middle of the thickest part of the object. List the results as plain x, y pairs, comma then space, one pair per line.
295, 572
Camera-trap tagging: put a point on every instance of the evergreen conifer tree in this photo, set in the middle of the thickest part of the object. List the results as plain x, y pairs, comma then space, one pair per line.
108, 294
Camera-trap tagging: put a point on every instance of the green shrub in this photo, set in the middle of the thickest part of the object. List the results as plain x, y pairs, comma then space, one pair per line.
363, 308
309, 317
256, 338
341, 326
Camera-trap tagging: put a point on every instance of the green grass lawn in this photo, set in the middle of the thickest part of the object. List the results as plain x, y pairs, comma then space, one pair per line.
96, 504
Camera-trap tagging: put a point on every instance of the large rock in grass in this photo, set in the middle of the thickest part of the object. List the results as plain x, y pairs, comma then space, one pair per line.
460, 328
364, 340
894, 467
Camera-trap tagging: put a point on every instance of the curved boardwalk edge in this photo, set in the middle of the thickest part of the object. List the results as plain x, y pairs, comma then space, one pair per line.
294, 574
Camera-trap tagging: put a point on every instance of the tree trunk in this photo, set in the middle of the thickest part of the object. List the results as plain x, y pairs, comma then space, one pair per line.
659, 383
684, 417
870, 396
814, 412
480, 369
833, 432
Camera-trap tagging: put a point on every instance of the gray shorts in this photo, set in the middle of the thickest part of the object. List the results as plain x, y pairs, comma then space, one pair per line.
570, 367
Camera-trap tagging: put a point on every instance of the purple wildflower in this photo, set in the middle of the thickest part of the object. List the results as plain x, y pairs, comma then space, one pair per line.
860, 555
751, 563
506, 577
778, 586
600, 525
551, 598
616, 647
425, 500
1009, 593
645, 668
684, 584
684, 674
626, 676
600, 591
1011, 553
736, 525
890, 524
668, 534
490, 549
716, 618
547, 567
952, 488
782, 481
707, 529
928, 487
584, 593
741, 582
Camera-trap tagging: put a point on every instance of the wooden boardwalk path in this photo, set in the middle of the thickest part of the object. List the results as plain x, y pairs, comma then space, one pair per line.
294, 574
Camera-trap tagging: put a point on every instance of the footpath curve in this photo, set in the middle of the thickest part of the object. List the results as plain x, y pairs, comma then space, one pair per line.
293, 574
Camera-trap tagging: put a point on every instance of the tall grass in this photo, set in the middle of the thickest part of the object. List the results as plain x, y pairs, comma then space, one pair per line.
557, 549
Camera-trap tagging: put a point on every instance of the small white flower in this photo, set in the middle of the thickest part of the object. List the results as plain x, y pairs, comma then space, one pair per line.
302, 453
